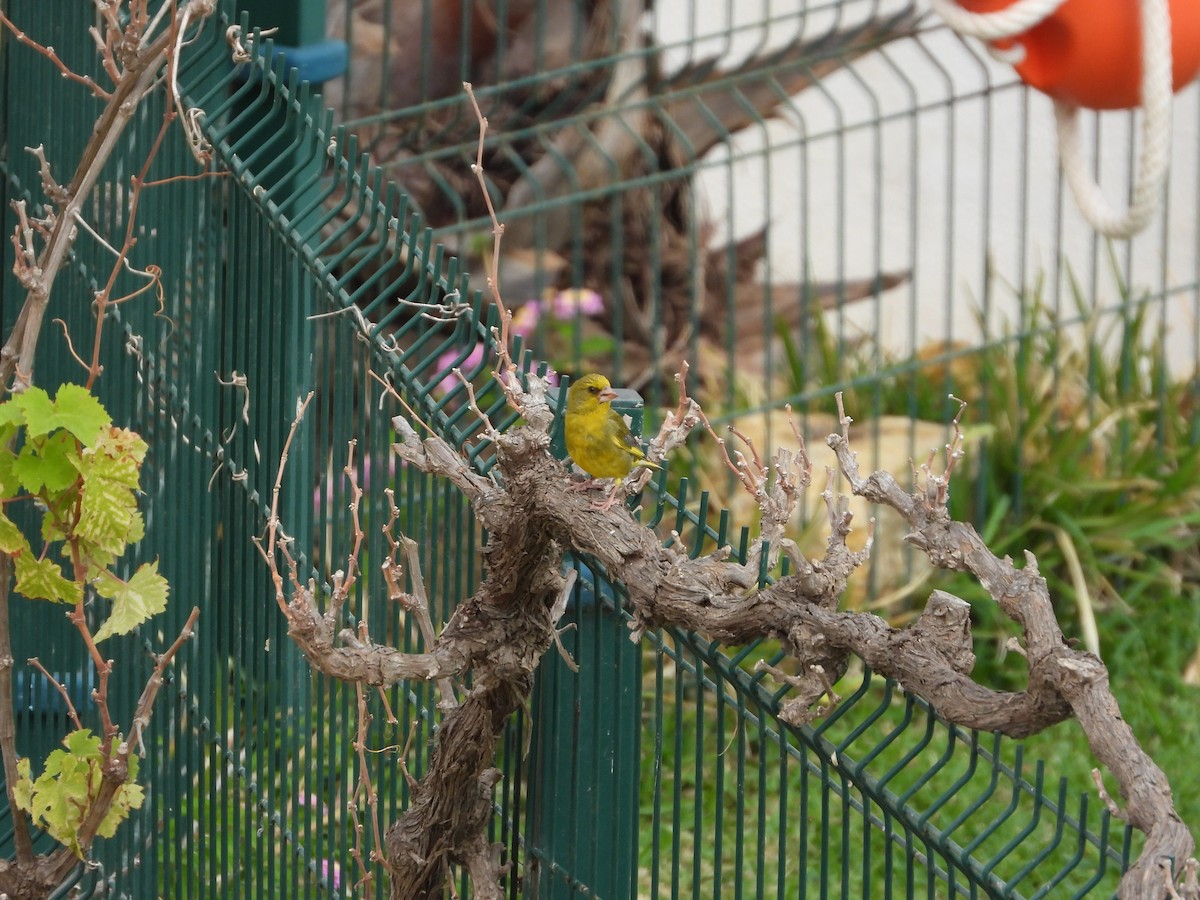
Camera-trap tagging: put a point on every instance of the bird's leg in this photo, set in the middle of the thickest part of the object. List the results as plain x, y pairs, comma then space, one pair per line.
609, 501
588, 484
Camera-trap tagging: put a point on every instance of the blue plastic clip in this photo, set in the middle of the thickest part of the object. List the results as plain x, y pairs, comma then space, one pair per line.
315, 63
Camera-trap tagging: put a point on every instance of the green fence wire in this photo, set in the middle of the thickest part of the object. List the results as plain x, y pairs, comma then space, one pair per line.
659, 770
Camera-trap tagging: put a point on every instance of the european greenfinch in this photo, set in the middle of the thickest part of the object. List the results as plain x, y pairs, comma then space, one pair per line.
598, 438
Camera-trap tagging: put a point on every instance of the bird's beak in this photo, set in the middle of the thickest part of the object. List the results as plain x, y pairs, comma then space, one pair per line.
607, 395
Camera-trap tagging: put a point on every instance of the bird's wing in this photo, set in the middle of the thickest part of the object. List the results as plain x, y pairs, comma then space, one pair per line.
618, 432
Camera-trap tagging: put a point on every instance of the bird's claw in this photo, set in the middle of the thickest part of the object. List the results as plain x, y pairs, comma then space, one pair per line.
588, 484
610, 501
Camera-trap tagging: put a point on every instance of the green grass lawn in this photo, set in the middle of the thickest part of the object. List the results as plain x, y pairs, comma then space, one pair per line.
732, 807
1085, 453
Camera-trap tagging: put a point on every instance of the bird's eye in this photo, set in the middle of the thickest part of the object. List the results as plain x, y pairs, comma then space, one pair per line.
594, 389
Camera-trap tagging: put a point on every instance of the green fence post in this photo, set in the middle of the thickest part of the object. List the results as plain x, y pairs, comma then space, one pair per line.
283, 681
581, 831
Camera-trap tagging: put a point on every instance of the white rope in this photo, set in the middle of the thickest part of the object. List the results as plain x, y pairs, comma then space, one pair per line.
1007, 22
1156, 105
1156, 137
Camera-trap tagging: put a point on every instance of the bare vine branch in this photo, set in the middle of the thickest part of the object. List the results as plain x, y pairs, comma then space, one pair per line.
58, 686
132, 50
134, 72
532, 516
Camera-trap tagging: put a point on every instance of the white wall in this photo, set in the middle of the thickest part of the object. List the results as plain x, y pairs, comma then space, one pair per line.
928, 155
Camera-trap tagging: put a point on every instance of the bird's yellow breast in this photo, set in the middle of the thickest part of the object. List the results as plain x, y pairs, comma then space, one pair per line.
594, 440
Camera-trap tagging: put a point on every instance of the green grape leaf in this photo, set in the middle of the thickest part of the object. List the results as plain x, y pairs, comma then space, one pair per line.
59, 799
76, 410
58, 516
11, 414
10, 485
38, 411
42, 579
52, 464
83, 743
134, 601
11, 538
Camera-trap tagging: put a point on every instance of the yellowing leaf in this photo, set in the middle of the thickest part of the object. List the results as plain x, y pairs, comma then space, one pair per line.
134, 601
122, 444
42, 579
62, 795
106, 512
137, 528
128, 797
11, 538
23, 789
108, 517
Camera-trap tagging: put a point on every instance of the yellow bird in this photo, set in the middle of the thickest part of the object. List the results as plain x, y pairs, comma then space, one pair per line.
597, 437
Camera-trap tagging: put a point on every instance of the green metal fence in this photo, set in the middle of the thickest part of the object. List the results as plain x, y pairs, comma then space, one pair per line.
659, 770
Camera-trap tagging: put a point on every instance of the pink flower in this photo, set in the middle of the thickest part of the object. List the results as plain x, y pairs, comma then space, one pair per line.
525, 319
575, 301
447, 360
331, 873
312, 801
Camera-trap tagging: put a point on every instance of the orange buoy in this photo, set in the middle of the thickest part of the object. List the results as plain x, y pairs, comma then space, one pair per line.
1089, 52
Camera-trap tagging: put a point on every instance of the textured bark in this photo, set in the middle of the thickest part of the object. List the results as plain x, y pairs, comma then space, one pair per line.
501, 633
1061, 678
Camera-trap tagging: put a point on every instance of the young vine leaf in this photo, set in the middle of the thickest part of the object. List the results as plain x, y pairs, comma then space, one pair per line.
134, 601
60, 798
83, 472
